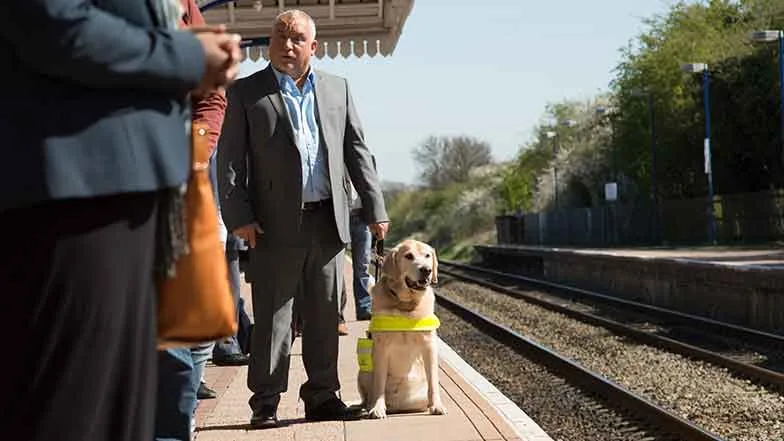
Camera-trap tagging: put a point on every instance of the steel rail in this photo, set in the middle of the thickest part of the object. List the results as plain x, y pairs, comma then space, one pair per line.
614, 394
756, 373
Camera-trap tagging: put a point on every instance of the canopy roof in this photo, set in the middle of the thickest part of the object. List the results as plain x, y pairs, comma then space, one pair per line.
344, 27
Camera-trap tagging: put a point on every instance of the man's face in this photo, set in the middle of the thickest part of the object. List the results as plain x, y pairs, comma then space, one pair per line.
291, 46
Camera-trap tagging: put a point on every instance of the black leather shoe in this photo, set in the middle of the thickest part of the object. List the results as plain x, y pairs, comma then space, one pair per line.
332, 410
205, 393
231, 360
265, 417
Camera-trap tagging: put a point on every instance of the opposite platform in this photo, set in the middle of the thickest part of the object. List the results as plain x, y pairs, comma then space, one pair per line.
738, 257
743, 286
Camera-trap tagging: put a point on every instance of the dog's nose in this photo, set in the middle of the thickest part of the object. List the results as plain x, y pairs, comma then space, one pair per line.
425, 271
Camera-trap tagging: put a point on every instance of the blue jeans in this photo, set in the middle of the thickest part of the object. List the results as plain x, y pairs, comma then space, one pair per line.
199, 355
228, 346
360, 257
176, 400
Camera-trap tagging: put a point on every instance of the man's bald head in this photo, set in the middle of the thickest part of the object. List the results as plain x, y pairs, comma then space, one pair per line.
286, 18
292, 43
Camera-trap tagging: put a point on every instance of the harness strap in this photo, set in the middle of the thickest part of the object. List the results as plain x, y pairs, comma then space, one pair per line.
365, 354
381, 323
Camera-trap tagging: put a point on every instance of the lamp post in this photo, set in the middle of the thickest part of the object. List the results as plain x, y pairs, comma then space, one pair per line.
769, 36
569, 123
614, 163
553, 135
703, 68
611, 186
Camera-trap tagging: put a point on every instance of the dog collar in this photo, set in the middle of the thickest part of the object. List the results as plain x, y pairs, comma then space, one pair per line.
381, 323
404, 306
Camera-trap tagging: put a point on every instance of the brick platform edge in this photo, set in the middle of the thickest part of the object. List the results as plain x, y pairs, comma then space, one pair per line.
494, 404
218, 378
744, 295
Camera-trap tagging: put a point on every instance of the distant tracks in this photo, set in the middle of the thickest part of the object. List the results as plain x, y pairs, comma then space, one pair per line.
670, 426
664, 320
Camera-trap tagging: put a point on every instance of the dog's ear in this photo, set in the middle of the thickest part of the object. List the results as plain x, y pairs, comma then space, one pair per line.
434, 275
391, 267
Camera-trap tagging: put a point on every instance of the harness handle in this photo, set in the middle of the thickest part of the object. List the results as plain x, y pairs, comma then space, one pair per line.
377, 246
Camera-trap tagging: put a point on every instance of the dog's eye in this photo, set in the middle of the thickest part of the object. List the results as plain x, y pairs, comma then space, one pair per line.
409, 256
427, 256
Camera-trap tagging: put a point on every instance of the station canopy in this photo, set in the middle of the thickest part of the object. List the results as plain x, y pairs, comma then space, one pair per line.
343, 27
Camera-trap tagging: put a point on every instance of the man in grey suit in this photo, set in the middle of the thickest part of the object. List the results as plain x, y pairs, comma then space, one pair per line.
290, 135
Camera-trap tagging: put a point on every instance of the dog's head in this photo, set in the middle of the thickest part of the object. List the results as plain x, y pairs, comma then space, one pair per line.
411, 268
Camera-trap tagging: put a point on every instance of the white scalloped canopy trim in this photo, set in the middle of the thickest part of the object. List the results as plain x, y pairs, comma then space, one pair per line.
346, 28
332, 49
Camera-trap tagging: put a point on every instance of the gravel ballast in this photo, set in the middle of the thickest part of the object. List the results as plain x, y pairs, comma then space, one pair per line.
710, 396
562, 411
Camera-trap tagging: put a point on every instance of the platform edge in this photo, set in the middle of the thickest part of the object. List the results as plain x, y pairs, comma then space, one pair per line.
526, 428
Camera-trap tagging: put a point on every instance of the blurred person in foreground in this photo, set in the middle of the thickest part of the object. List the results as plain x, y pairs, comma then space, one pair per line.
181, 370
290, 135
95, 128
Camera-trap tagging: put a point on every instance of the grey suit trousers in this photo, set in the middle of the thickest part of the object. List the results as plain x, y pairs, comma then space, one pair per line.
310, 272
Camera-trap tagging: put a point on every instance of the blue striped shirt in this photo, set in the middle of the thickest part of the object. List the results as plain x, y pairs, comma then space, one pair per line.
301, 106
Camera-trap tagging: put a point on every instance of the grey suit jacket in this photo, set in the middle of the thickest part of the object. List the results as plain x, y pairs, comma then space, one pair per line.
260, 173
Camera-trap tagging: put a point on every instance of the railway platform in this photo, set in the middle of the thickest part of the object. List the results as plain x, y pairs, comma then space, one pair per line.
744, 286
476, 409
737, 257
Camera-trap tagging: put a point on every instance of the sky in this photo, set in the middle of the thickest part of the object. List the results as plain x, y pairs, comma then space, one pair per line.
483, 68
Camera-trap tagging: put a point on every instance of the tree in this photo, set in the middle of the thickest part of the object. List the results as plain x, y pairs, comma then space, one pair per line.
581, 157
743, 92
445, 160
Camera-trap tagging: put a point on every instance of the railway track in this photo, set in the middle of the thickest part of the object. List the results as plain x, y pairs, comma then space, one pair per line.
642, 415
653, 365
738, 349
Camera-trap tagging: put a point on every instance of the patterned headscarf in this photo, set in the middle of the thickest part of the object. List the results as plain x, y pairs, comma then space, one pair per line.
172, 228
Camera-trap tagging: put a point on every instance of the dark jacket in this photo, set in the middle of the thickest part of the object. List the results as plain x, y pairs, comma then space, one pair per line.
210, 108
95, 99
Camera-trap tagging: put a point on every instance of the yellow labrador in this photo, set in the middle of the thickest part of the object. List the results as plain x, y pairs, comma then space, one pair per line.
404, 373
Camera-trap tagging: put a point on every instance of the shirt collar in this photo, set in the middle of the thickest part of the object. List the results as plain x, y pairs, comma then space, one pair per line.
285, 82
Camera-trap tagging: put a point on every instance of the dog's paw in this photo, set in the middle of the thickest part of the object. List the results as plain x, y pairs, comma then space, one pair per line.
379, 411
437, 409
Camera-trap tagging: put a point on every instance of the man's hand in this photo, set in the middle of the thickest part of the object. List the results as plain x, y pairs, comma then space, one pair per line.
222, 58
379, 229
248, 233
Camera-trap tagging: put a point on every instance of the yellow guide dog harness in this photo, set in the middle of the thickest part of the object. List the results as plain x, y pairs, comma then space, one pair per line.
386, 323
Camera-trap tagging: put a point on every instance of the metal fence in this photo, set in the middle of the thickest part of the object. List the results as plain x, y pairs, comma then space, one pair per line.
740, 218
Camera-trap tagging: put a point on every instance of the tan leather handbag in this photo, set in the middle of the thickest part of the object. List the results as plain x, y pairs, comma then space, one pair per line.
196, 304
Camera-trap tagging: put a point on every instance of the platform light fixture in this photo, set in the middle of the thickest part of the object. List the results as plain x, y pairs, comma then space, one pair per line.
703, 68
